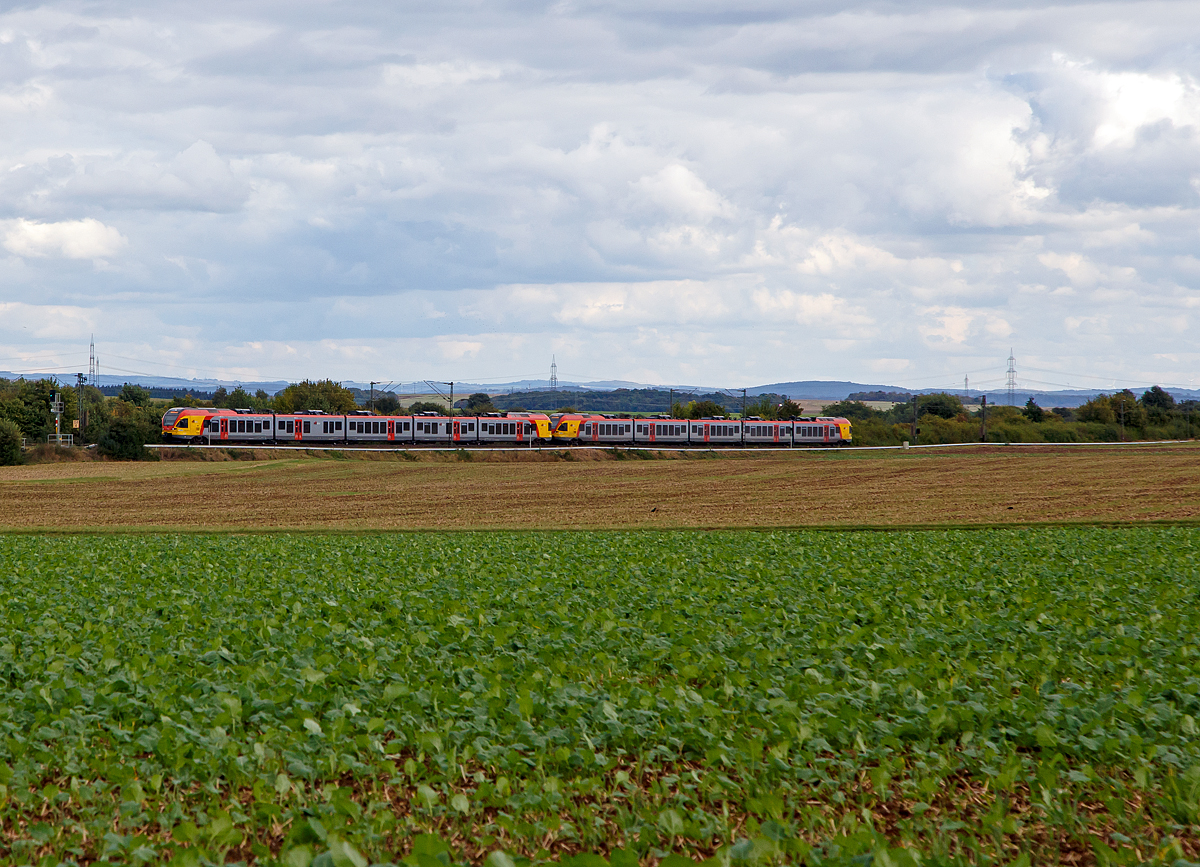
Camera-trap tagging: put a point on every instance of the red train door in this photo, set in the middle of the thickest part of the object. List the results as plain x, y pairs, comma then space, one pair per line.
391, 423
653, 428
706, 431
595, 432
299, 433
520, 431
456, 430
224, 428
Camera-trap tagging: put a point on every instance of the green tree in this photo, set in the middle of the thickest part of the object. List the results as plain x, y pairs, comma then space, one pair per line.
704, 409
855, 410
1158, 404
134, 394
419, 406
1032, 411
10, 443
128, 431
789, 409
262, 400
1158, 398
477, 404
239, 398
764, 408
387, 404
1128, 412
941, 404
1098, 409
220, 397
326, 395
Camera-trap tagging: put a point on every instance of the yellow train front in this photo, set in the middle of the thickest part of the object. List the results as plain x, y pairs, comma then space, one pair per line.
185, 424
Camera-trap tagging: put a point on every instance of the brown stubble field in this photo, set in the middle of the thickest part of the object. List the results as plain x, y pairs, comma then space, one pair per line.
589, 490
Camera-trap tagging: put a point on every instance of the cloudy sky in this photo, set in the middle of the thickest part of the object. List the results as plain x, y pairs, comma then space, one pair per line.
674, 192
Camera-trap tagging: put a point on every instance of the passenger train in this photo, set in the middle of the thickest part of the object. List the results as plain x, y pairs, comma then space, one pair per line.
208, 426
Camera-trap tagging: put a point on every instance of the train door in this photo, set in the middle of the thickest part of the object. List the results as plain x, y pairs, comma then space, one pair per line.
595, 432
776, 427
224, 428
299, 431
653, 431
455, 435
706, 431
391, 429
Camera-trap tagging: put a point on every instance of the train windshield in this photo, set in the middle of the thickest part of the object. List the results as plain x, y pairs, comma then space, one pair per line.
172, 414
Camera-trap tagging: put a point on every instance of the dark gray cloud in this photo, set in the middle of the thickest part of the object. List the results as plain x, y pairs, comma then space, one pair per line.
665, 191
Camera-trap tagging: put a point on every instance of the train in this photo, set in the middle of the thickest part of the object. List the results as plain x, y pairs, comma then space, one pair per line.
314, 428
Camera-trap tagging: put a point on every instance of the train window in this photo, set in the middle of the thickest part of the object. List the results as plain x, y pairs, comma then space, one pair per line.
258, 427
471, 427
307, 427
337, 425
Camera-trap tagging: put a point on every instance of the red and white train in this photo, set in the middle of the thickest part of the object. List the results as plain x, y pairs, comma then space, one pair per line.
314, 428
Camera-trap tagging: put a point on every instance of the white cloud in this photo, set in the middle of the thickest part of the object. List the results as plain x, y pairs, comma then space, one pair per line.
676, 191
72, 239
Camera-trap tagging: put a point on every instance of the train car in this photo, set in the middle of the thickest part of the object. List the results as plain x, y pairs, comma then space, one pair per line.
606, 430
716, 431
432, 429
239, 426
310, 426
185, 424
662, 431
821, 431
764, 432
363, 427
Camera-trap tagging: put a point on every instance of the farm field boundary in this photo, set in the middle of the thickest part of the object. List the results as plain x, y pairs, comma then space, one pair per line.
372, 491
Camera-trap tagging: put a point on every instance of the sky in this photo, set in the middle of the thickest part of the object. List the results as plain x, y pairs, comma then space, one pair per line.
662, 192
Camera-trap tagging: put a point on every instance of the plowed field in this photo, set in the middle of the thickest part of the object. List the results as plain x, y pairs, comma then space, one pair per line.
995, 485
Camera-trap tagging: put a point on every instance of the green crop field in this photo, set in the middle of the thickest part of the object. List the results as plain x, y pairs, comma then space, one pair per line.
879, 698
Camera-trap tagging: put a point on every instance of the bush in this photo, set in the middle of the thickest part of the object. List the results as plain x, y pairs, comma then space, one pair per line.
10, 443
125, 440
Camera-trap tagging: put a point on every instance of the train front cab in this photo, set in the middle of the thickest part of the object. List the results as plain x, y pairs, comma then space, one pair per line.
185, 424
567, 427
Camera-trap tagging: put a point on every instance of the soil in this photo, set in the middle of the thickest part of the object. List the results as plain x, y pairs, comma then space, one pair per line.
993, 485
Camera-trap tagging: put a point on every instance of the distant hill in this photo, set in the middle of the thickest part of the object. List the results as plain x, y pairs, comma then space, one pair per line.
819, 389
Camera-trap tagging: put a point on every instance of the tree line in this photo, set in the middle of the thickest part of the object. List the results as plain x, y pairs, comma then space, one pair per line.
942, 418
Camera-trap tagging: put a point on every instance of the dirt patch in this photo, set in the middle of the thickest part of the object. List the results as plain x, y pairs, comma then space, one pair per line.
591, 489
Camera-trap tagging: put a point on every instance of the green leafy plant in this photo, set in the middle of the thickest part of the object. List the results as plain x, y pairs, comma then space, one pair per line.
601, 698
